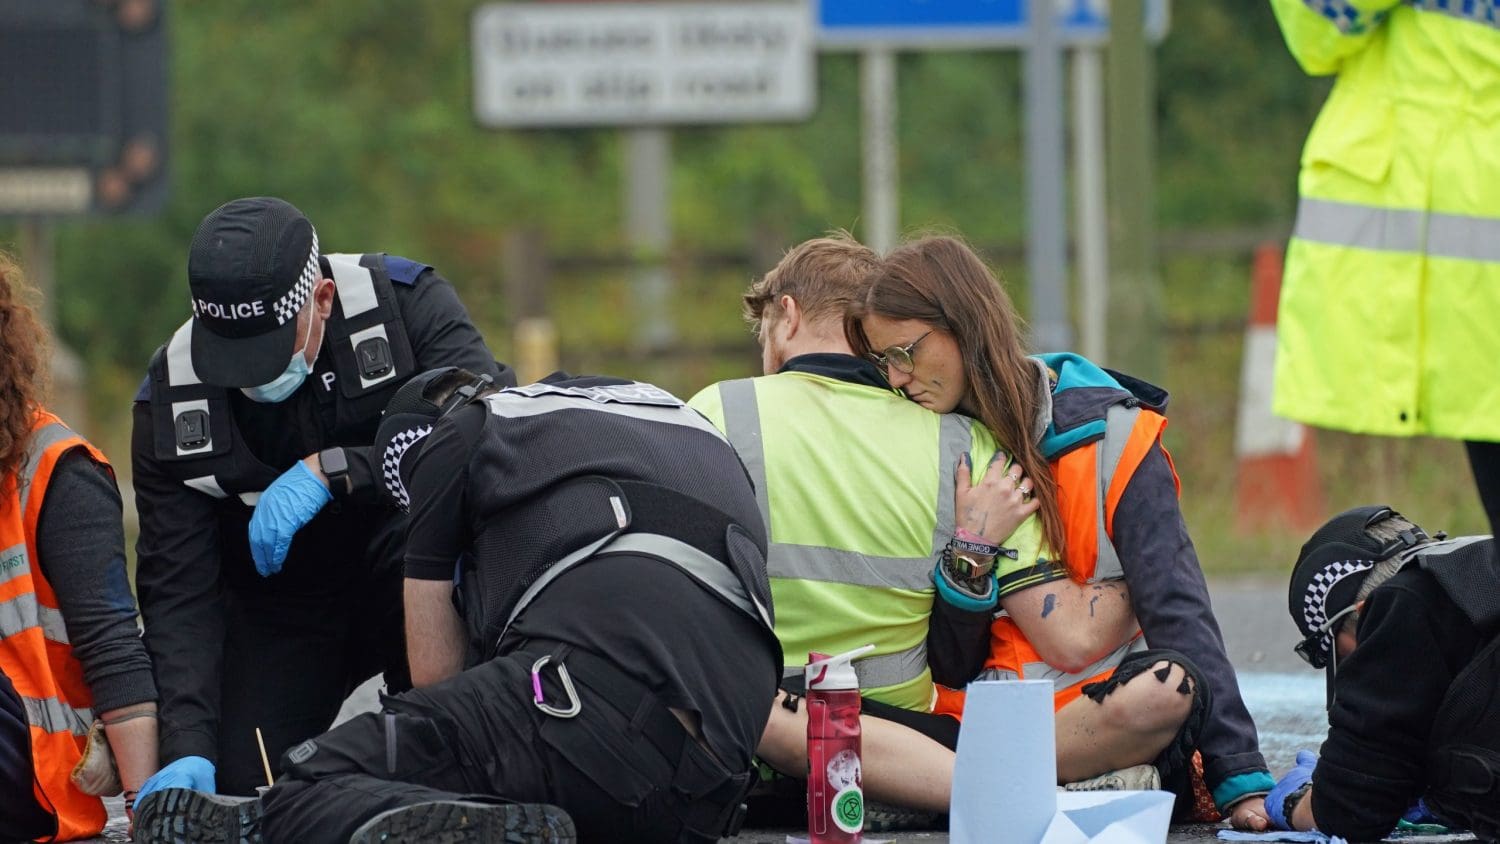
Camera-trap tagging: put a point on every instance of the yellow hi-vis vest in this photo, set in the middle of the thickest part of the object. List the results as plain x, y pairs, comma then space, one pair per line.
856, 485
1391, 297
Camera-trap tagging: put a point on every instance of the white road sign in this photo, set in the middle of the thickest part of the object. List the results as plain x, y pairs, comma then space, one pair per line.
611, 64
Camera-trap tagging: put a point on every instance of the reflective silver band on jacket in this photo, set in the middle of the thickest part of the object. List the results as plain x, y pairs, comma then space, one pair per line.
1398, 230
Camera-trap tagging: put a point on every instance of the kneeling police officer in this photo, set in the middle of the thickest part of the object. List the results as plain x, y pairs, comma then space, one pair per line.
614, 609
1408, 629
269, 568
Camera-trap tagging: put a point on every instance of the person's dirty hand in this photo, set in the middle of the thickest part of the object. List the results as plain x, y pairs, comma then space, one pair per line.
286, 505
1298, 776
193, 772
997, 505
1249, 815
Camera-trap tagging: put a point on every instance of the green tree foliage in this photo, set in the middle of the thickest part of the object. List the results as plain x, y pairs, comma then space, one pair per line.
359, 112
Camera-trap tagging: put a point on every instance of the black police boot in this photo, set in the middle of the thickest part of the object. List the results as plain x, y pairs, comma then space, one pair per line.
460, 822
183, 816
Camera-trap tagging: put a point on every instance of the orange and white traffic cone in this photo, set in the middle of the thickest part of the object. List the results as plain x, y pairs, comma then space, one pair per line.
1277, 484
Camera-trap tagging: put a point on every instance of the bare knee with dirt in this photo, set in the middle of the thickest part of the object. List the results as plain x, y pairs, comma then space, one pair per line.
1128, 724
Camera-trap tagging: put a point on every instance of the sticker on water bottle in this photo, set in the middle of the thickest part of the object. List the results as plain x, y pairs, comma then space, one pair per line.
848, 807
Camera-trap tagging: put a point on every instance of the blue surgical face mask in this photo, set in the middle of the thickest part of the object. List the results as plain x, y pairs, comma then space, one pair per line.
288, 381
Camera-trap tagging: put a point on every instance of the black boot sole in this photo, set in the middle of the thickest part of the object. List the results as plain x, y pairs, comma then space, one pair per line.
456, 822
180, 816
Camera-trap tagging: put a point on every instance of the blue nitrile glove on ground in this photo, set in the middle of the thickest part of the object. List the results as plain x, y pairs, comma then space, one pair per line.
193, 772
1420, 814
1294, 779
286, 505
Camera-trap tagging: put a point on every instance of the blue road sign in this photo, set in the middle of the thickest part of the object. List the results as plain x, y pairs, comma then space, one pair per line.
966, 23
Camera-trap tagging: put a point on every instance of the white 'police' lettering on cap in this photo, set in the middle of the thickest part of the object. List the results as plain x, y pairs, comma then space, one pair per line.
285, 308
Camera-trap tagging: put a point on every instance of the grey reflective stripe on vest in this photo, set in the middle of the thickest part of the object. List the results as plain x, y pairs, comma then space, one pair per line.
180, 373
954, 438
835, 565
14, 563
355, 287
708, 571
814, 562
23, 612
742, 428
1119, 421
180, 370
41, 439
877, 672
1061, 679
1398, 230
53, 716
513, 404
208, 485
1485, 12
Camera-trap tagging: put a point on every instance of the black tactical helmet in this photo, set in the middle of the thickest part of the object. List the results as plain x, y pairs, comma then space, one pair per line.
408, 419
1326, 578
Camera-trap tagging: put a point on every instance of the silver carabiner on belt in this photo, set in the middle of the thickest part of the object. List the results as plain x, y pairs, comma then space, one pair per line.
574, 707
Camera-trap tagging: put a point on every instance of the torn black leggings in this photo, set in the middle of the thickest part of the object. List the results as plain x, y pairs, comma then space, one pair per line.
1174, 762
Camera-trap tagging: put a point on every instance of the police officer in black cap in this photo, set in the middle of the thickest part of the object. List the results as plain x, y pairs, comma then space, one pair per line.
269, 570
1408, 629
614, 607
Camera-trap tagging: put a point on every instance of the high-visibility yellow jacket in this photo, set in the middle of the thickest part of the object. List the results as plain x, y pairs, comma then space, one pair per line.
856, 484
1390, 306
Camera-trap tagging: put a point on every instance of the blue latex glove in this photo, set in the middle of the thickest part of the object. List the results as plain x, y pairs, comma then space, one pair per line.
283, 509
193, 772
1294, 779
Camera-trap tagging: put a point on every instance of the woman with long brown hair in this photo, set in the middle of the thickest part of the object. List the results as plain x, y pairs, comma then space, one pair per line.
70, 649
1087, 442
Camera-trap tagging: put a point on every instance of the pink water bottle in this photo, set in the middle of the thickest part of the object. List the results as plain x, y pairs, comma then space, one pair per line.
835, 786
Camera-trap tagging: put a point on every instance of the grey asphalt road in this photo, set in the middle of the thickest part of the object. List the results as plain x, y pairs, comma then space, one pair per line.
1284, 695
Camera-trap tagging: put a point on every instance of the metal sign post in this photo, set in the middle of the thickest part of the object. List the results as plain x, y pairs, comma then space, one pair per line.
1080, 25
644, 66
877, 89
1046, 225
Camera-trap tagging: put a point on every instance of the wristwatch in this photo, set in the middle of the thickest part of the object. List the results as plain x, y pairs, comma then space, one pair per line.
335, 466
967, 566
1289, 805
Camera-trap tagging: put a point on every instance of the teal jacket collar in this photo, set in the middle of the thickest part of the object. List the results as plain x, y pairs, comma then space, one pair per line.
1082, 392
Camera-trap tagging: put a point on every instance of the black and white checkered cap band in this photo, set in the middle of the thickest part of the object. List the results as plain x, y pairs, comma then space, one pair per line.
1315, 601
390, 463
290, 304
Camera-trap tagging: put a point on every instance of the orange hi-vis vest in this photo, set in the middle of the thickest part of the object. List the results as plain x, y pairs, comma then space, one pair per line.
1093, 462
34, 649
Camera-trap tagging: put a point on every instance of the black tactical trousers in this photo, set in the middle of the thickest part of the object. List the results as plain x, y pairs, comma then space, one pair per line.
297, 643
479, 736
